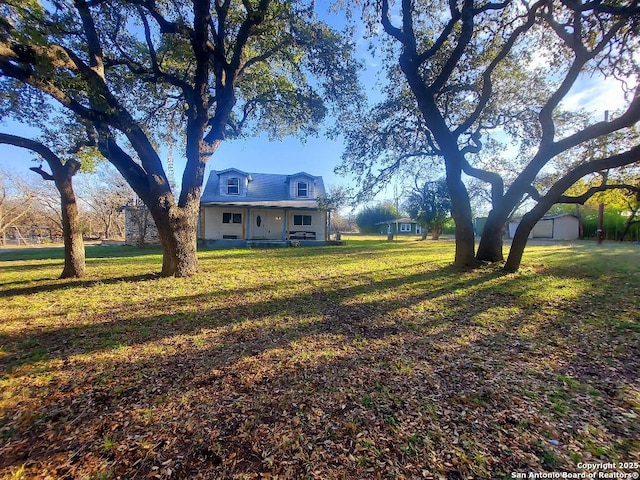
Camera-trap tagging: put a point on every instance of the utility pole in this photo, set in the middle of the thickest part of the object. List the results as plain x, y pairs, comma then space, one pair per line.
600, 233
397, 205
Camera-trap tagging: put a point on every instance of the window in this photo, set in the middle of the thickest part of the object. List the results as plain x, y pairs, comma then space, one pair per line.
228, 217
303, 189
302, 219
233, 186
405, 227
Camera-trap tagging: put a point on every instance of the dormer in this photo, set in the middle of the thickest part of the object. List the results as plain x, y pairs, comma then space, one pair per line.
233, 182
302, 186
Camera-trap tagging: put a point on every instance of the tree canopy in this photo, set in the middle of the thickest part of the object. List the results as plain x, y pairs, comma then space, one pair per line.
430, 205
368, 218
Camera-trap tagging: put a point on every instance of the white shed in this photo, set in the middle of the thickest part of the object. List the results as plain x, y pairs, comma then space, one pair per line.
564, 226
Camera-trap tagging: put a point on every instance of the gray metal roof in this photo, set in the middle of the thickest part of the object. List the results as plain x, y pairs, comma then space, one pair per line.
262, 189
548, 217
397, 220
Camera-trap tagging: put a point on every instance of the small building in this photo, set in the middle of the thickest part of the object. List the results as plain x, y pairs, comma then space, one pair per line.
139, 227
243, 209
564, 226
402, 226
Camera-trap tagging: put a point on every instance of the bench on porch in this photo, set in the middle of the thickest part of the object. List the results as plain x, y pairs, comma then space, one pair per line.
300, 235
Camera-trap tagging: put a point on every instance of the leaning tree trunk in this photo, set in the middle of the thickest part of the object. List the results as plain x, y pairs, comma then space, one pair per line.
630, 221
74, 257
627, 226
521, 236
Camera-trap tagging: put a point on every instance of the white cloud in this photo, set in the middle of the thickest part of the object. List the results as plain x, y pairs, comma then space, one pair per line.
596, 94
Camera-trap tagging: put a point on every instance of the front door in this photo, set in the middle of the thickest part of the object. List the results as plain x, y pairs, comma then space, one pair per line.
259, 224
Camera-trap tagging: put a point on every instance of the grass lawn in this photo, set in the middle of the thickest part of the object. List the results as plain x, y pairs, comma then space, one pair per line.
370, 360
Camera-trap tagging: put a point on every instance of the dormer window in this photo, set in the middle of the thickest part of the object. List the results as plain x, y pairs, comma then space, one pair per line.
303, 189
233, 186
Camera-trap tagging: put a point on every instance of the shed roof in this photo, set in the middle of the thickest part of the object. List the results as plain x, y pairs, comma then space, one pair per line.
397, 220
548, 217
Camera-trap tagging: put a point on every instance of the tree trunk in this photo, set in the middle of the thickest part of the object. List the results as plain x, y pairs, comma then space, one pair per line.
521, 236
454, 159
62, 175
461, 213
490, 248
630, 221
178, 232
74, 258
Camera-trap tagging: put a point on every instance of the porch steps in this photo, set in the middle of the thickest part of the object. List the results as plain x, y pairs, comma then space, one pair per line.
267, 243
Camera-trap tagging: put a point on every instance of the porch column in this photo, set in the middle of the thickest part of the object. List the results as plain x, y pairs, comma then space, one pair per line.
327, 233
247, 223
285, 225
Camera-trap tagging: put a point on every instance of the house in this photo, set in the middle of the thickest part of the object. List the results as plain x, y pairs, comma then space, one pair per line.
402, 226
564, 226
242, 209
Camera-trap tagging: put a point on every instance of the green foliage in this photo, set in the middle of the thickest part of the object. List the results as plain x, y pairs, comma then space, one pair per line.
430, 205
368, 217
271, 67
614, 224
621, 207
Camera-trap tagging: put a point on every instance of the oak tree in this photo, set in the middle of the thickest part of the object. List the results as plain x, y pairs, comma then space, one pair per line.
199, 71
430, 205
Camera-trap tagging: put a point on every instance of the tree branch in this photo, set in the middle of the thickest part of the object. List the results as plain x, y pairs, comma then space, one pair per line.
487, 84
42, 173
466, 34
581, 199
557, 190
392, 30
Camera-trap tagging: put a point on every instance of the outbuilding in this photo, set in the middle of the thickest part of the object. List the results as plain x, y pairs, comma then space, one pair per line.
401, 226
564, 226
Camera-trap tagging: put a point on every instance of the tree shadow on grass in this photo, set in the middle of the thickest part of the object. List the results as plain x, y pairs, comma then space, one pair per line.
330, 307
353, 386
65, 284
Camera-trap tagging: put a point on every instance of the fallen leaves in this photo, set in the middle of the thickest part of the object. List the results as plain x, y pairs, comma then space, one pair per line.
352, 362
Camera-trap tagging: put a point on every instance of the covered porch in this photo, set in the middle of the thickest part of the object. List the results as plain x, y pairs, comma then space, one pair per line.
233, 224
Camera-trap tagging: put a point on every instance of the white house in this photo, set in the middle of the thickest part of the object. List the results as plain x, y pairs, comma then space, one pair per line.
239, 208
565, 226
